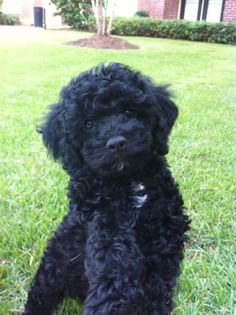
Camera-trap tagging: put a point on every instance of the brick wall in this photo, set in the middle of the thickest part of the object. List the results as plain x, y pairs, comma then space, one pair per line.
161, 9
171, 9
229, 14
144, 5
38, 3
157, 8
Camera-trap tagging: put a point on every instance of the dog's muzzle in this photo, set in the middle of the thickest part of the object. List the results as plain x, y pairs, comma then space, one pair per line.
117, 144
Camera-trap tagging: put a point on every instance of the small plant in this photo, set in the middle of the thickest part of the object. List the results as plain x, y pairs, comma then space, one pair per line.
9, 19
141, 13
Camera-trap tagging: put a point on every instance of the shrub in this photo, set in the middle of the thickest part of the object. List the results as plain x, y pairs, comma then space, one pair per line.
75, 13
91, 24
9, 19
176, 29
141, 14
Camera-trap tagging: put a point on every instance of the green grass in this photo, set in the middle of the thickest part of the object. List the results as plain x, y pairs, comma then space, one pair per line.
202, 158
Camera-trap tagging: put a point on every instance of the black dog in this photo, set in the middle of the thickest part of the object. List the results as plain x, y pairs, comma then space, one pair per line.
119, 248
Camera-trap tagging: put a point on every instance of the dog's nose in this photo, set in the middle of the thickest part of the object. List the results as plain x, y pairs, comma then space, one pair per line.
116, 143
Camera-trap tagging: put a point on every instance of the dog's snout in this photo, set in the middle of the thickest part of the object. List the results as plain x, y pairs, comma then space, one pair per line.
116, 143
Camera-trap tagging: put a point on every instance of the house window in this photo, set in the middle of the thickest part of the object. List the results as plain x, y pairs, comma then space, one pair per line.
191, 10
209, 10
214, 10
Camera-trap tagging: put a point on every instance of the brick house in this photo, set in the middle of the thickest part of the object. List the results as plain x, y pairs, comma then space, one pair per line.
208, 10
25, 9
33, 12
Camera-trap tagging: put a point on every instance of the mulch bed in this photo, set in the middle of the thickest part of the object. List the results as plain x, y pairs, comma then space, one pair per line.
103, 42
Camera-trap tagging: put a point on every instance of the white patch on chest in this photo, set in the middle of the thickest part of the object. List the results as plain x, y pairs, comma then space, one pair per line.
139, 197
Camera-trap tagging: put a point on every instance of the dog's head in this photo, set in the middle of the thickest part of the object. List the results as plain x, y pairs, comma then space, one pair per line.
110, 119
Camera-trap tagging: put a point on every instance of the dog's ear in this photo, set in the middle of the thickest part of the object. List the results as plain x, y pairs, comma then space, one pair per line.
55, 136
52, 130
165, 113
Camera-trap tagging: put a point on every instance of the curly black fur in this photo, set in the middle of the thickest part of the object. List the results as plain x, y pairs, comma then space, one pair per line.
119, 247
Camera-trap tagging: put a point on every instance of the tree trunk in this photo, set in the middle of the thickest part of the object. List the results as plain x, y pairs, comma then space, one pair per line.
100, 19
100, 13
111, 18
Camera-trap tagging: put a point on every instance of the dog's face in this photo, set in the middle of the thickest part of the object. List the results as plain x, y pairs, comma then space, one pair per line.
110, 119
117, 141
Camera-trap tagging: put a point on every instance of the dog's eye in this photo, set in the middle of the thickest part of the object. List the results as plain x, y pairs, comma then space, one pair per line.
130, 113
88, 124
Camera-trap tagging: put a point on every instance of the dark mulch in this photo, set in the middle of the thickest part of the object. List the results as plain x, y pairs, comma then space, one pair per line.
103, 42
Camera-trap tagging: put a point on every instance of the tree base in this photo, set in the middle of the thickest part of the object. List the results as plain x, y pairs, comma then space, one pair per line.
103, 42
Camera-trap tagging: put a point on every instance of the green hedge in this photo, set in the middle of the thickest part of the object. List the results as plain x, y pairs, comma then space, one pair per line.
176, 29
9, 19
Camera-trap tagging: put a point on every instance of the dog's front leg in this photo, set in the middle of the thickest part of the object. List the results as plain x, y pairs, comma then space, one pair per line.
61, 271
47, 289
113, 267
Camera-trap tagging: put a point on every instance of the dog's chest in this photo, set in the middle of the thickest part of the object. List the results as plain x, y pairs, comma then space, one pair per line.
126, 203
139, 196
133, 195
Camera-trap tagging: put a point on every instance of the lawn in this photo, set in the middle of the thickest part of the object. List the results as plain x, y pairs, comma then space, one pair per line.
33, 66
